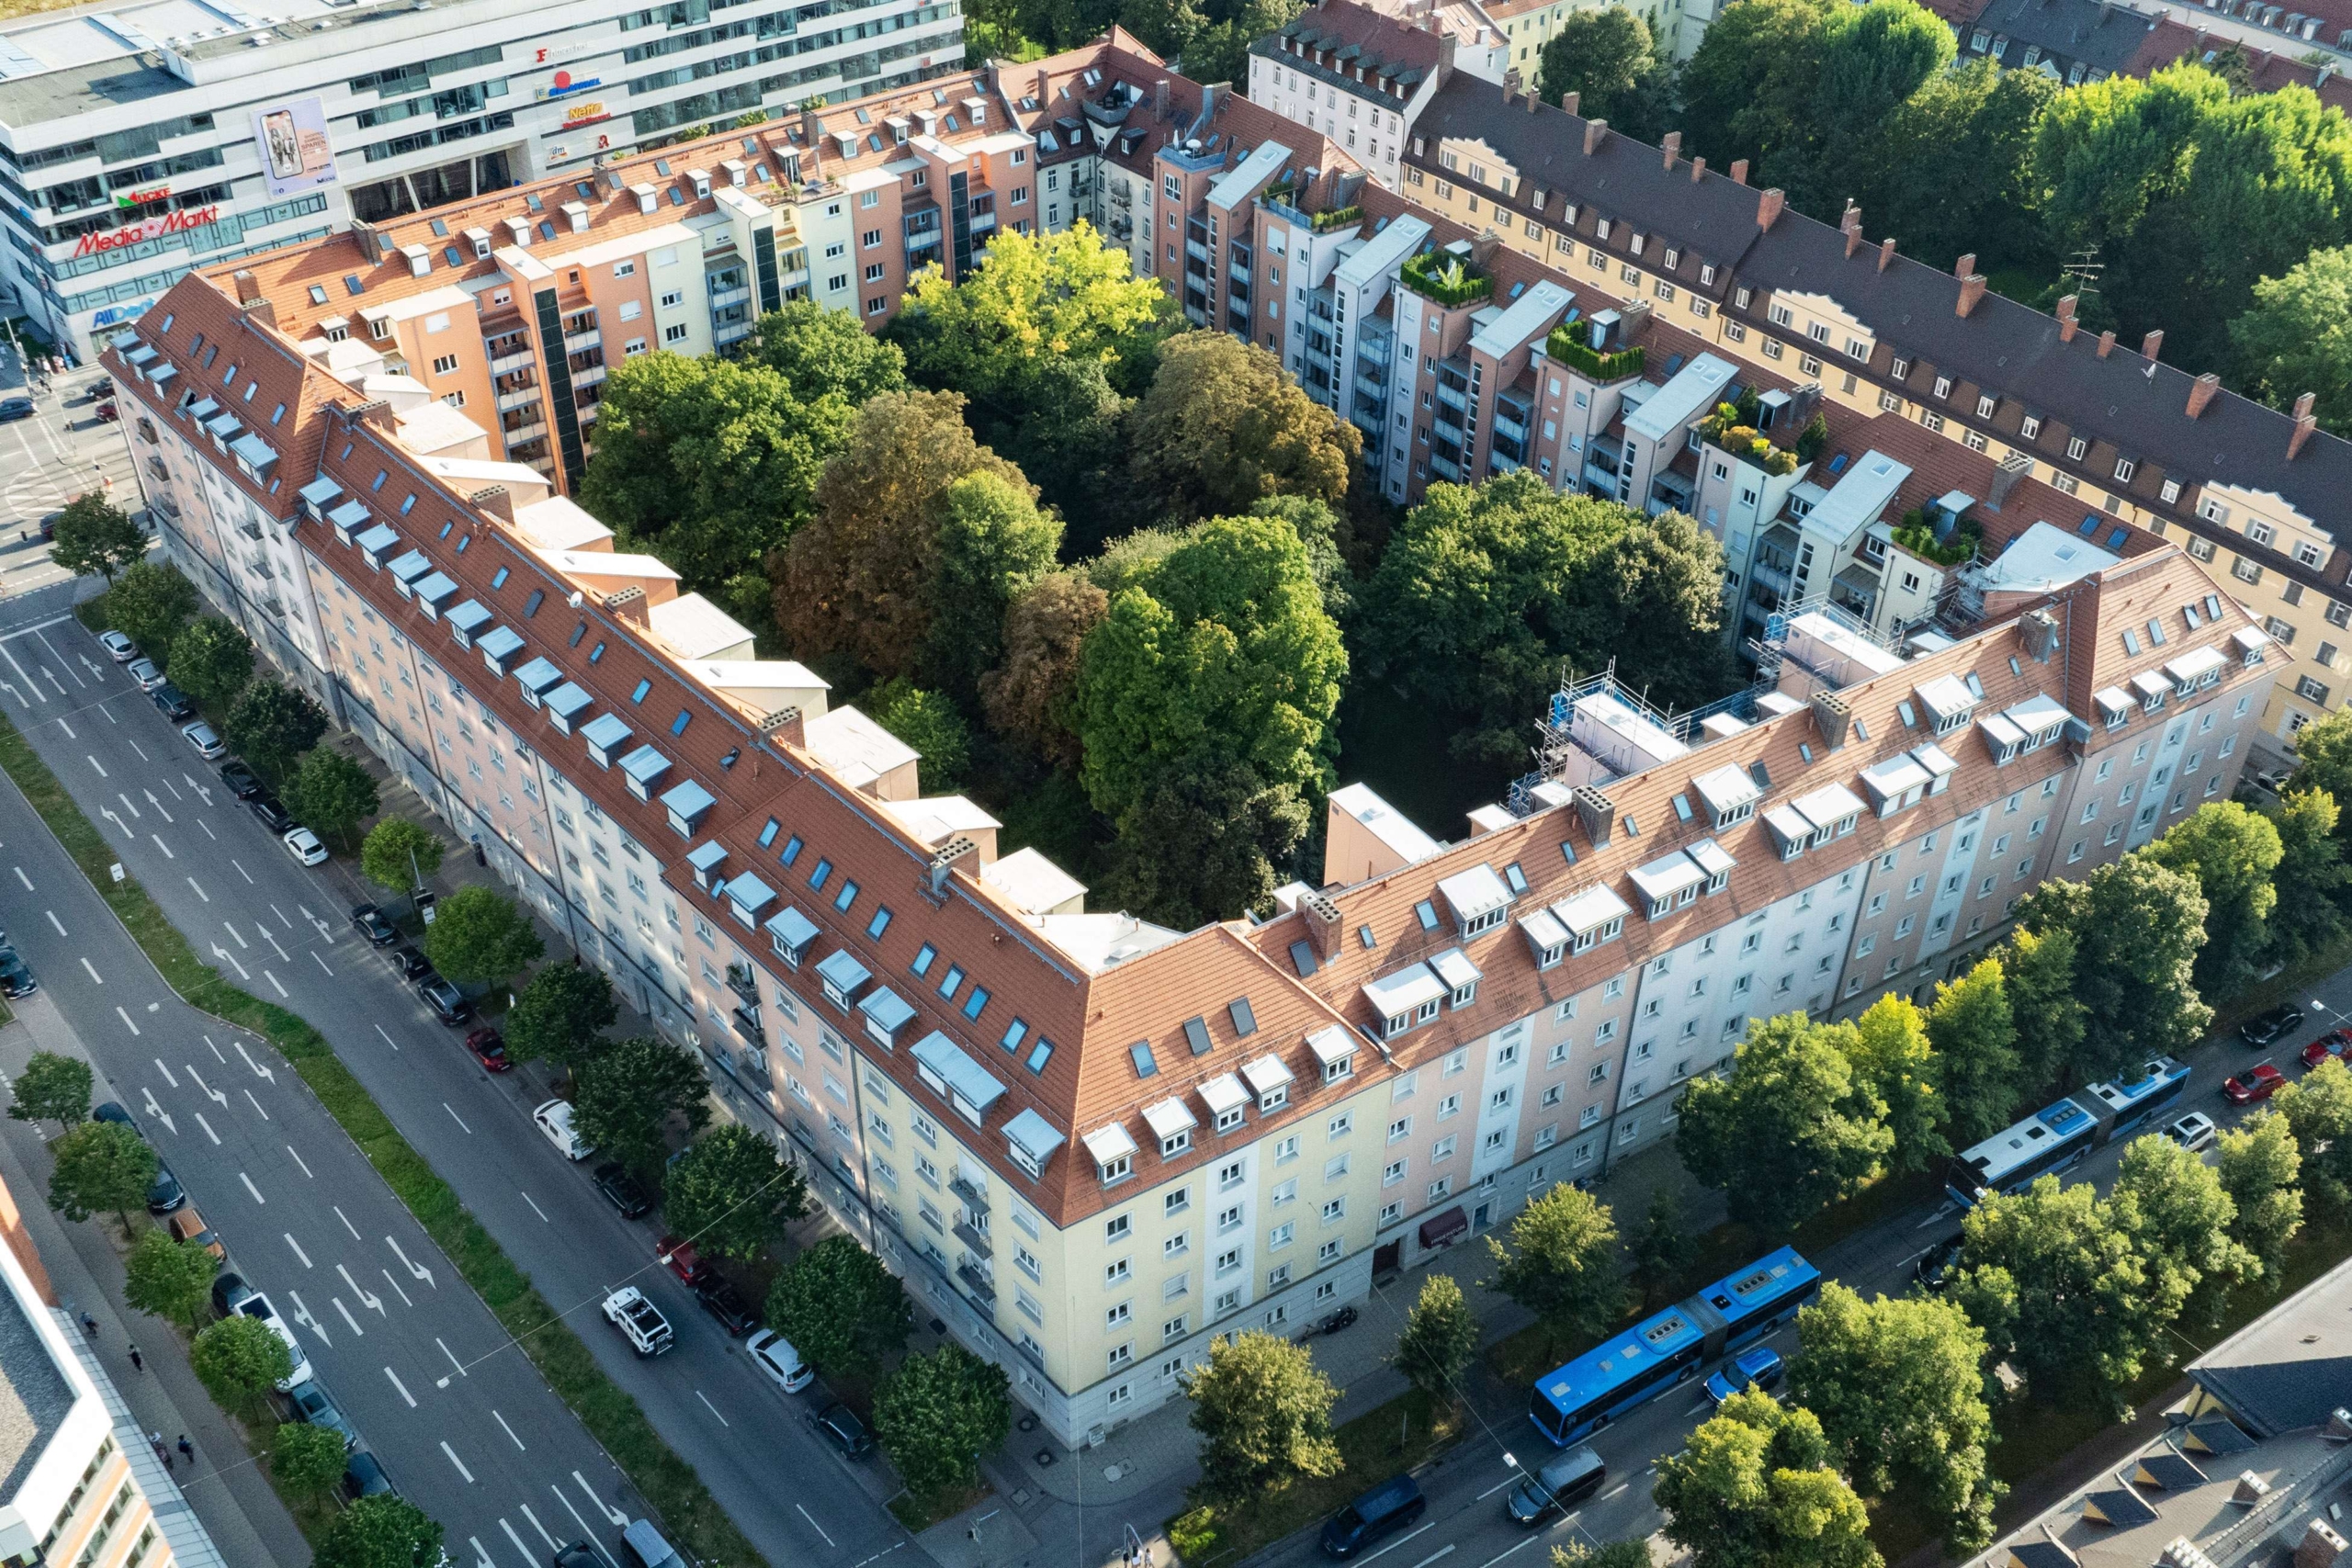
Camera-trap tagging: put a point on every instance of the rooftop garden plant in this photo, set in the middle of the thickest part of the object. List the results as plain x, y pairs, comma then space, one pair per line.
1727, 429
1914, 535
1445, 278
1572, 351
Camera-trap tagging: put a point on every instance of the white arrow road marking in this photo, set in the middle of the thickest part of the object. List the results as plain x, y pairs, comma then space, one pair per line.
230, 958
273, 980
157, 804
300, 1161
257, 1104
93, 968
271, 937
395, 1287
602, 1506
238, 934
367, 1299
518, 1444
349, 1319
458, 1119
55, 922
251, 1188
396, 1383
109, 813
387, 1039
162, 846
166, 1072
158, 1113
453, 1361
241, 868
127, 804
417, 1271
306, 915
346, 1224
261, 1069
576, 1519
211, 1093
126, 1021
302, 1316
207, 1128
723, 1421
298, 1249
481, 1558
458, 1462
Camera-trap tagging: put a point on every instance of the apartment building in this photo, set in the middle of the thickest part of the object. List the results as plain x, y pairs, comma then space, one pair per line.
2085, 40
139, 142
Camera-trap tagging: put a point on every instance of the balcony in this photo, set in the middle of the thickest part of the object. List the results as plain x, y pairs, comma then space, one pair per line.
977, 1283
1446, 429
271, 604
522, 399
587, 376
1450, 397
147, 432
251, 531
736, 334
976, 1240
167, 505
530, 429
744, 983
155, 467
748, 1025
972, 1196
574, 342
722, 298
507, 364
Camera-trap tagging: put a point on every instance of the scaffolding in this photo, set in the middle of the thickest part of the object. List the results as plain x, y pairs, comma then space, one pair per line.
1558, 751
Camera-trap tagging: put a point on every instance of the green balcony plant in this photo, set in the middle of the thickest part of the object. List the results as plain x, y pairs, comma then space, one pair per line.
1445, 278
1572, 351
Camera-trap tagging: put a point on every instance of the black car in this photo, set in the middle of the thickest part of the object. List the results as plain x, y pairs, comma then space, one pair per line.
1936, 1265
241, 780
726, 1303
15, 408
577, 1555
2269, 1027
171, 703
621, 1189
110, 1112
410, 962
370, 922
271, 812
227, 1290
164, 1193
1391, 1505
839, 1425
15, 979
364, 1477
448, 1003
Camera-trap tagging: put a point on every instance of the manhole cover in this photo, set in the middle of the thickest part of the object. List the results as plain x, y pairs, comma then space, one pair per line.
1112, 1472
1028, 1423
1020, 1495
1045, 1458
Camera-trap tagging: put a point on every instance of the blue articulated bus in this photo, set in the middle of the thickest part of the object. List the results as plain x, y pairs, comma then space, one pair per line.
2057, 1136
1672, 1346
2126, 1106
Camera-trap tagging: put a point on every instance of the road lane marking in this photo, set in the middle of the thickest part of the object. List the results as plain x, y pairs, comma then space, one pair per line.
602, 1506
127, 805
281, 914
576, 1519
535, 1207
387, 1039
453, 1361
216, 1052
211, 1093
157, 1112
126, 1021
298, 1160
1506, 1551
1401, 1540
1445, 1550
273, 980
238, 934
207, 833
323, 964
166, 1072
271, 938
518, 1444
257, 1104
416, 1271
1616, 1489
55, 922
804, 1513
176, 791
162, 846
346, 1224
458, 1119
95, 977
207, 1128
141, 749
368, 1298
514, 1537
1508, 1481
241, 868
251, 1188
524, 1509
100, 766
228, 957
396, 1287
22, 877
723, 1421
159, 807
403, 1392
298, 1249
356, 1329
199, 890
261, 1070
302, 1314
458, 1462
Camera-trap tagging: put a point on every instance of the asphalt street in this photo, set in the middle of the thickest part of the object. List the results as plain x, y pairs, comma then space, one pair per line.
62, 451
281, 932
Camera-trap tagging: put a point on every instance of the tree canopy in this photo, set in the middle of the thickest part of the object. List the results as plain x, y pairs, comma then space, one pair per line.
273, 723
95, 537
50, 1087
209, 659
629, 1092
2230, 853
560, 1014
1224, 427
1757, 1484
1439, 1339
480, 937
330, 794
396, 852
2261, 1168
1790, 1128
1607, 57
990, 543
1031, 692
1561, 1263
937, 1415
169, 1277
100, 1167
1037, 299
1263, 1413
1974, 1033
386, 1531
2137, 927
2318, 1110
1896, 1063
2296, 337
148, 604
840, 1307
732, 1192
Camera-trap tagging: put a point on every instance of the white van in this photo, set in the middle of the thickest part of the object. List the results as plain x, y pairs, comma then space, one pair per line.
646, 1545
774, 1355
555, 1120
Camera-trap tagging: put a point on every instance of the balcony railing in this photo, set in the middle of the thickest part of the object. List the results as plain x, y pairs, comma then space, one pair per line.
747, 1024
974, 1197
977, 1283
251, 531
744, 983
517, 399
506, 363
574, 342
721, 298
978, 1241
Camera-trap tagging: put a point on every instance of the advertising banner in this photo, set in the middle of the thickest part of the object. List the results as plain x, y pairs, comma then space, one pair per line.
292, 140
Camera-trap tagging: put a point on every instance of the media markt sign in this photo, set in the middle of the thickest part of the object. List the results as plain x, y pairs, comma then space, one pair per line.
154, 228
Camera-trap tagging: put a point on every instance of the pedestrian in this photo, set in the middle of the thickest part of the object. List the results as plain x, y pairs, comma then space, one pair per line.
187, 1452
155, 1441
89, 1325
137, 1363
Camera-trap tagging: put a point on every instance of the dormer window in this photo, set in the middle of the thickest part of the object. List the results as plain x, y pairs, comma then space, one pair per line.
1335, 1052
1461, 976
1479, 898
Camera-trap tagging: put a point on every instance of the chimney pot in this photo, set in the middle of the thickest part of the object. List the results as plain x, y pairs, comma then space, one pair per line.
1671, 146
2153, 341
786, 724
243, 278
1886, 252
628, 604
1851, 225
1698, 170
2305, 423
2202, 393
263, 309
1322, 924
1768, 207
2067, 325
1964, 265
1739, 171
1972, 289
2105, 344
1595, 132
496, 500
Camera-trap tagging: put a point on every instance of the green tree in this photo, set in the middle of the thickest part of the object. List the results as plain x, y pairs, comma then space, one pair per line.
1032, 694
51, 1088
2037, 972
480, 937
1756, 1484
2137, 927
823, 352
1562, 1265
2230, 853
2174, 1207
732, 1193
928, 722
1065, 426
1165, 26
840, 1308
1788, 1129
1222, 428
2324, 759
1609, 59
2318, 1111
1036, 299
2061, 1289
990, 543
383, 1531
1895, 1064
628, 1093
938, 1413
398, 853
1609, 1554
307, 1460
1898, 1386
1438, 1339
239, 1359
168, 1278
1873, 57
1486, 593
1203, 844
2261, 1169
1662, 1248
1263, 1413
210, 660
100, 1167
1748, 89
1220, 52
2311, 877
558, 1015
149, 602
95, 536
329, 793
273, 723
1955, 173
1974, 1034
2297, 337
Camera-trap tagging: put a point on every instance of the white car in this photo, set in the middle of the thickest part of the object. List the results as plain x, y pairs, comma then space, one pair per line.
554, 1119
2193, 1131
206, 739
147, 672
120, 648
640, 1321
305, 846
774, 1355
257, 1306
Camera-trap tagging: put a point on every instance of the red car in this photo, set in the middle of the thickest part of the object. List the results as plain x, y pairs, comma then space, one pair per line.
108, 413
2336, 1042
681, 1259
2259, 1082
488, 1047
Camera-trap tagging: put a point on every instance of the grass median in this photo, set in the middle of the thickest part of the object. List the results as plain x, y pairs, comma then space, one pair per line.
667, 1481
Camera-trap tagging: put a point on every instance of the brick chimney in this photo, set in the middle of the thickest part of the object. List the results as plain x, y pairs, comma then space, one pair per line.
1671, 146
1596, 132
1739, 171
2202, 393
1972, 289
375, 415
1044, 86
628, 604
784, 724
2321, 1546
2105, 344
2067, 325
1532, 100
1886, 252
1964, 265
1569, 101
243, 278
1849, 223
496, 500
1510, 84
1698, 170
1322, 918
1160, 98
261, 309
2305, 423
1768, 207
2153, 341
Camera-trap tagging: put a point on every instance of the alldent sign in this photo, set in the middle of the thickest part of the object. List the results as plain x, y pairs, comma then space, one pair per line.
149, 228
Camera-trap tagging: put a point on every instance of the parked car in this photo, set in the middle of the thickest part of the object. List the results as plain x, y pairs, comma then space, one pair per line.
110, 1110
310, 1402
647, 1548
305, 846
2274, 779
16, 976
120, 648
271, 813
227, 1290
640, 1321
186, 1224
622, 1190
1561, 1482
1760, 1366
778, 1362
410, 962
1936, 1266
488, 1047
364, 1476
448, 1003
241, 780
15, 408
839, 1425
257, 1306
2256, 1084
726, 1303
2193, 1131
2335, 1042
554, 1119
1391, 1505
370, 922
108, 413
579, 1554
147, 672
170, 701
164, 1193
205, 739
2267, 1029
679, 1258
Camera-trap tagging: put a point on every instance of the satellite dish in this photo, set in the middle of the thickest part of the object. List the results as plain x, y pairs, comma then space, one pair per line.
574, 600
